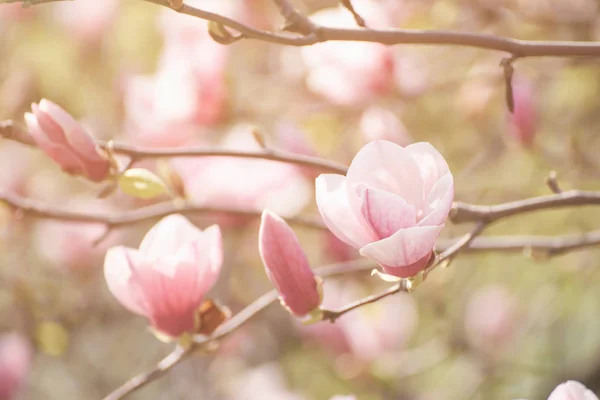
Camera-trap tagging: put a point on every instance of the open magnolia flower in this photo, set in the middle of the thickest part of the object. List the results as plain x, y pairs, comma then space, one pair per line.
166, 279
391, 205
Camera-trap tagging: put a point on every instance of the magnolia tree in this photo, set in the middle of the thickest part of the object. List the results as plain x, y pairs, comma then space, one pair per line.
171, 170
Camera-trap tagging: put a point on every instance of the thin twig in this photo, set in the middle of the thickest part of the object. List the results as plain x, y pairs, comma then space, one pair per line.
113, 220
516, 47
14, 131
360, 21
462, 212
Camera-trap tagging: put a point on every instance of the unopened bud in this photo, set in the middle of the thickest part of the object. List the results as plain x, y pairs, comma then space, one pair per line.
139, 182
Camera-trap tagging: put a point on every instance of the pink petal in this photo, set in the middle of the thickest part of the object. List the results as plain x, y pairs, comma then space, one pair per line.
439, 202
332, 201
386, 212
431, 164
62, 155
204, 254
406, 271
572, 390
386, 166
119, 265
77, 137
172, 300
403, 248
167, 236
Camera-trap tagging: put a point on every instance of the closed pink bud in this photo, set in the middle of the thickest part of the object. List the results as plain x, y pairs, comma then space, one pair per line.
287, 266
391, 205
572, 390
523, 121
166, 279
65, 141
15, 357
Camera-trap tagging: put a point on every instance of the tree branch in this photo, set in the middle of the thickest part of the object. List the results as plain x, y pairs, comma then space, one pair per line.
14, 131
462, 212
516, 47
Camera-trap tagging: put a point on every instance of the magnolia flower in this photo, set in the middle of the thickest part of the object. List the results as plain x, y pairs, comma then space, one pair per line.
572, 390
391, 205
15, 356
166, 279
287, 266
65, 141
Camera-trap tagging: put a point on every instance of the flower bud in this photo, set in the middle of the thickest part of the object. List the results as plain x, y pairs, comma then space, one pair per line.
287, 266
523, 121
139, 182
65, 141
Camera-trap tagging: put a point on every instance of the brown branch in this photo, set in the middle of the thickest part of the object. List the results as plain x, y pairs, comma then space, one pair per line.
462, 212
520, 48
113, 220
174, 358
14, 131
516, 47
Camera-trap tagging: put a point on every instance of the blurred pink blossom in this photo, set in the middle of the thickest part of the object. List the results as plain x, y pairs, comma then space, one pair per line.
369, 333
490, 319
523, 121
71, 246
391, 205
572, 390
342, 397
350, 73
379, 123
167, 278
245, 184
87, 21
265, 382
15, 357
65, 141
188, 90
15, 12
287, 266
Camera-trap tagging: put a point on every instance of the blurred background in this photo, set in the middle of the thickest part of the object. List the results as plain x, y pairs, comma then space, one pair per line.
492, 326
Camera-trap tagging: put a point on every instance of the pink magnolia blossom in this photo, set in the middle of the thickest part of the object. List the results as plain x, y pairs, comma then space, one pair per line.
378, 123
87, 20
65, 141
287, 266
166, 279
15, 357
490, 319
572, 390
391, 205
349, 73
523, 121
